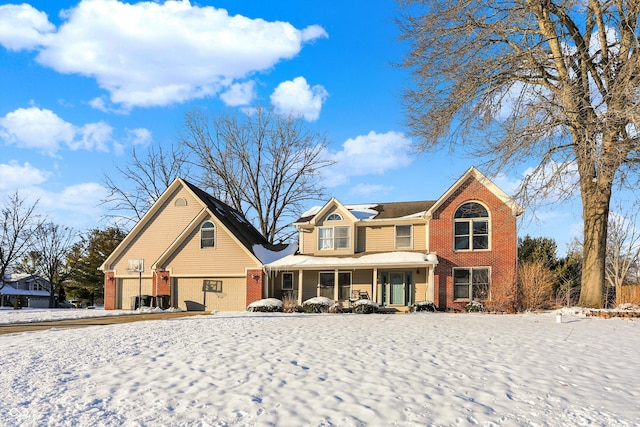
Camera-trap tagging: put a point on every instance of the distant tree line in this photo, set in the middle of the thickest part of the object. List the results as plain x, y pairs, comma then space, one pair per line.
68, 259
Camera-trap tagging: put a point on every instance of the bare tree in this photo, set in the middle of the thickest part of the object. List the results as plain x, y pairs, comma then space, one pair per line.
550, 82
51, 247
623, 245
133, 188
264, 165
20, 224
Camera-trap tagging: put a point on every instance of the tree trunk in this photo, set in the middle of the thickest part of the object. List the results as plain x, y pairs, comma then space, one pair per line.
595, 209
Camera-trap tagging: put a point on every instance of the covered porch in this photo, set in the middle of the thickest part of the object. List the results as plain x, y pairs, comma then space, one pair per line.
390, 279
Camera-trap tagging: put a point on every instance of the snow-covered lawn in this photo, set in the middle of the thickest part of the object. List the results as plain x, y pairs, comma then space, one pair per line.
29, 315
257, 369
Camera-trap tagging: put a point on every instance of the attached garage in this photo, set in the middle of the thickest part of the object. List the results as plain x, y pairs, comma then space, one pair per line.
209, 293
130, 287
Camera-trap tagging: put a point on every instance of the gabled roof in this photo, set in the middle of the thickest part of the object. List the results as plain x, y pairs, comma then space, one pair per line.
235, 222
374, 211
472, 172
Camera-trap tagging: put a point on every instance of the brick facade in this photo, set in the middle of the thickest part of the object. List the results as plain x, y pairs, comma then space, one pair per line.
255, 279
109, 291
162, 283
501, 258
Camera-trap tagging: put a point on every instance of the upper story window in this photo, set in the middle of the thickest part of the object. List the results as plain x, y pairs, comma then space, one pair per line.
207, 235
404, 234
334, 217
334, 237
471, 227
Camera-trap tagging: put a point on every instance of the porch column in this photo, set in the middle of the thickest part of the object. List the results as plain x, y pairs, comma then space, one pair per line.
374, 288
431, 285
336, 294
299, 287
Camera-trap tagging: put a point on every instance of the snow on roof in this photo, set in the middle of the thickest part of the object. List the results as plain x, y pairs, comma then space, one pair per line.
267, 256
385, 258
10, 290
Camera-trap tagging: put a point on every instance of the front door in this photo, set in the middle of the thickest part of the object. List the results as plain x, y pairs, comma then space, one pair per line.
396, 288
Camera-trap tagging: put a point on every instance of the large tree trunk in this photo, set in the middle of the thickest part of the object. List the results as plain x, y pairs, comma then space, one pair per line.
595, 209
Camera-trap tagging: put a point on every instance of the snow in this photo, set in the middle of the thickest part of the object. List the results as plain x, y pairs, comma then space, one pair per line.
319, 301
259, 369
267, 255
30, 315
267, 302
380, 259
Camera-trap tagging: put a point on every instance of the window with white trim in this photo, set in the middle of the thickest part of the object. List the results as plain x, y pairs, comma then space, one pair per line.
471, 227
334, 217
334, 237
471, 284
207, 235
287, 281
404, 236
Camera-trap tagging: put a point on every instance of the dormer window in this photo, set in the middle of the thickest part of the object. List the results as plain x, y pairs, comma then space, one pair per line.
471, 227
334, 217
207, 235
334, 237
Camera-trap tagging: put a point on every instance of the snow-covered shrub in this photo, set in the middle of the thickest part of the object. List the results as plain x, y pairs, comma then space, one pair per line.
423, 306
269, 305
474, 307
365, 306
317, 305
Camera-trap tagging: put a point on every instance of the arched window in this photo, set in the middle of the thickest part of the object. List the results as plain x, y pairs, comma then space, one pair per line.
207, 235
471, 227
180, 201
334, 217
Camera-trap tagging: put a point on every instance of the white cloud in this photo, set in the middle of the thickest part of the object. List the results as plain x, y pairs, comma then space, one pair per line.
23, 27
14, 176
77, 206
239, 94
43, 130
158, 53
371, 154
139, 136
506, 184
297, 97
362, 189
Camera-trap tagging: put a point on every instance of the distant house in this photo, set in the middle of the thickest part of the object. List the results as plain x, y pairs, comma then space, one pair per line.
201, 253
31, 289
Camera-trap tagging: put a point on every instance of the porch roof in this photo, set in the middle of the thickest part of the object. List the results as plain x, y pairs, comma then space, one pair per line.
379, 260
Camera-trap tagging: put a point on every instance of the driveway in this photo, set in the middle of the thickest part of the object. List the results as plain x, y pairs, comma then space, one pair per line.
12, 328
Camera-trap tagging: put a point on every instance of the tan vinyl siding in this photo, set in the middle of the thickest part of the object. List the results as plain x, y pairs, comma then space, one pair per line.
232, 298
362, 280
130, 287
160, 231
227, 257
309, 242
382, 238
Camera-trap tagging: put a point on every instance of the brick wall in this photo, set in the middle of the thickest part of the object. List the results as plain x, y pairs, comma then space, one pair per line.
501, 259
162, 282
109, 291
254, 285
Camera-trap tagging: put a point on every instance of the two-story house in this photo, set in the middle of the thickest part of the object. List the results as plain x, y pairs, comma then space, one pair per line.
450, 251
196, 251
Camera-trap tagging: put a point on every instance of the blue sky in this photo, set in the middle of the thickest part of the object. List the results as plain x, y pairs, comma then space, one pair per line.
84, 82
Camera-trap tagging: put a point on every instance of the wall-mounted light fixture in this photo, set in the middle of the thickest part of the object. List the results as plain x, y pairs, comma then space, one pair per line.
164, 277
